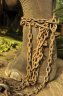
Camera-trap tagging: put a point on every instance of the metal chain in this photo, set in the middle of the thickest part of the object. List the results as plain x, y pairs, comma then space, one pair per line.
53, 28
29, 53
38, 54
34, 60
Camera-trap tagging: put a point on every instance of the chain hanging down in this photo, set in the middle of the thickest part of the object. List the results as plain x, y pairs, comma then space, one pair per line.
45, 27
34, 59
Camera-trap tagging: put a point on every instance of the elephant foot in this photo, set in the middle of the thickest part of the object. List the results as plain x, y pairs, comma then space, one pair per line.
17, 68
14, 74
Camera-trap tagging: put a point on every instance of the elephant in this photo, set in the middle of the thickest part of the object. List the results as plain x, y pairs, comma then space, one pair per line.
32, 9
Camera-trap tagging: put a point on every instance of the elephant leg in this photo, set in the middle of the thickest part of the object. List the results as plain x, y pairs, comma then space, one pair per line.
32, 9
17, 68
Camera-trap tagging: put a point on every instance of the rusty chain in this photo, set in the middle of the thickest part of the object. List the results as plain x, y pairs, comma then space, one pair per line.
44, 29
35, 56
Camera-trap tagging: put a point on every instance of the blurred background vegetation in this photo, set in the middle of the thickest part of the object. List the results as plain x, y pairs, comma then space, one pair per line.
59, 10
59, 40
7, 43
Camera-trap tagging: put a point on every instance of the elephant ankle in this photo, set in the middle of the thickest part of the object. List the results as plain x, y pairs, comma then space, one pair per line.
14, 74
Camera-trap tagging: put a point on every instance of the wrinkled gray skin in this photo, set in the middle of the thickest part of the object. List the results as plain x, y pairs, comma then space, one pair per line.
32, 9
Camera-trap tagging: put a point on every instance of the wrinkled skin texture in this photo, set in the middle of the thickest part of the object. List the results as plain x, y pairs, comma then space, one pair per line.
32, 9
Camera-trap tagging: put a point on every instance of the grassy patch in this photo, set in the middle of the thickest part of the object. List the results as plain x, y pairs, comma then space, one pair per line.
7, 44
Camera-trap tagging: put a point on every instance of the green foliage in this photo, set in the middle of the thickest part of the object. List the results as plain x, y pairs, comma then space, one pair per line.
59, 42
59, 11
7, 44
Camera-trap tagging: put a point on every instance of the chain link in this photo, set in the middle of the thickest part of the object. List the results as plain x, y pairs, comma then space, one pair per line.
33, 60
45, 28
